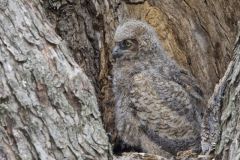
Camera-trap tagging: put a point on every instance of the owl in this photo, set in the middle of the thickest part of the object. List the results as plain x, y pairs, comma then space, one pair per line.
158, 104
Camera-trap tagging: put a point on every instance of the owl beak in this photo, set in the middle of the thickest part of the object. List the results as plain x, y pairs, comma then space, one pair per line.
117, 53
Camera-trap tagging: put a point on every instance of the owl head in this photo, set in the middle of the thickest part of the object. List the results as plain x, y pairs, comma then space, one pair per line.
134, 38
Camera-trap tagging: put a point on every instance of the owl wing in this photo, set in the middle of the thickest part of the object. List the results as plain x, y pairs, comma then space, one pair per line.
162, 106
188, 82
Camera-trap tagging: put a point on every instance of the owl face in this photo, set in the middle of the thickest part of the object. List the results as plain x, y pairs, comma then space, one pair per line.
134, 40
125, 49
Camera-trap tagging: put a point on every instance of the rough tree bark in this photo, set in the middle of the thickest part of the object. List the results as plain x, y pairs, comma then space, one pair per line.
48, 107
221, 130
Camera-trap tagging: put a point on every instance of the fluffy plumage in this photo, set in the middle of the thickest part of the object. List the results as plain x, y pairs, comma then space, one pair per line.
158, 104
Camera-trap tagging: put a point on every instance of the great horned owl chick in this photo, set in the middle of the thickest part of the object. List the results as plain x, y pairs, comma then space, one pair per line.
157, 102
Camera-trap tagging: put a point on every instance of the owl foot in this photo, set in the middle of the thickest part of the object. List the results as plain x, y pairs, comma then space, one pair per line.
186, 154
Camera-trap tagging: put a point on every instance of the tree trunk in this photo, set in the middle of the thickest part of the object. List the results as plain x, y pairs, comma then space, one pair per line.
199, 35
42, 85
221, 130
48, 107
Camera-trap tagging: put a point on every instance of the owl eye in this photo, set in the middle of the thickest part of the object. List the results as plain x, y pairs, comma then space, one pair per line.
125, 44
128, 43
